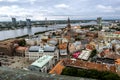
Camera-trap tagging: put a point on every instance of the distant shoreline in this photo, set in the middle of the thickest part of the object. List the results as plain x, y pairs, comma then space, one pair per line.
24, 36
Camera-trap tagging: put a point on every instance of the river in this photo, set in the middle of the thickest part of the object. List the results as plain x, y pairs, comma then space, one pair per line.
21, 32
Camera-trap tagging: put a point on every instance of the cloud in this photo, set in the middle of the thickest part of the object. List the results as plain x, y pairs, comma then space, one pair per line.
22, 13
106, 8
14, 11
61, 6
31, 1
18, 1
59, 9
8, 0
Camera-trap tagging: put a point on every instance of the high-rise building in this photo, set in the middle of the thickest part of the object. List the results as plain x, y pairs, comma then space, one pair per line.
14, 22
99, 20
28, 23
21, 23
46, 23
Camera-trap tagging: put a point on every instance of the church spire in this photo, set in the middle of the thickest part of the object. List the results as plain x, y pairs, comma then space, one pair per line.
68, 23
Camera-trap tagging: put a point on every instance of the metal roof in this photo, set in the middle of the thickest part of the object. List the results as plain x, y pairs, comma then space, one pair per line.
42, 61
49, 48
84, 55
35, 49
77, 43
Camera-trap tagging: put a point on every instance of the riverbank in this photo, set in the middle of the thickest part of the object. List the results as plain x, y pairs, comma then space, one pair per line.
25, 36
21, 33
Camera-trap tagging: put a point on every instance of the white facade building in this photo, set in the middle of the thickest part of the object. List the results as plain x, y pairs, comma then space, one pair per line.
34, 52
85, 54
42, 64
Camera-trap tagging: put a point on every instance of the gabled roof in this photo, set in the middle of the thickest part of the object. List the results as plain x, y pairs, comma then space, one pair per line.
63, 46
85, 41
58, 68
115, 41
49, 48
117, 61
63, 51
44, 37
84, 55
35, 49
118, 32
21, 48
52, 41
77, 43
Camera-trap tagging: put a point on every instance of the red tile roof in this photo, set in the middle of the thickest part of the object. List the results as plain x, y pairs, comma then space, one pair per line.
21, 48
81, 64
117, 61
89, 65
118, 32
90, 46
63, 46
58, 68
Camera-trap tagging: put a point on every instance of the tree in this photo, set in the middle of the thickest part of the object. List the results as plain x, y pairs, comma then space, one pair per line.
93, 53
78, 38
110, 76
22, 42
91, 73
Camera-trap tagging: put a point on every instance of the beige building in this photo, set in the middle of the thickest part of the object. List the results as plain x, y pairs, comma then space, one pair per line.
35, 52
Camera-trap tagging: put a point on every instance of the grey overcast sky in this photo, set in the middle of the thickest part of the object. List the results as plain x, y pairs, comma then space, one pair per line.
59, 9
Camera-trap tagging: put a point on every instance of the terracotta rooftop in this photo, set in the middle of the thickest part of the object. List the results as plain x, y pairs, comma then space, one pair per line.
21, 48
81, 64
118, 32
89, 65
63, 46
113, 56
106, 53
90, 46
58, 68
117, 61
67, 37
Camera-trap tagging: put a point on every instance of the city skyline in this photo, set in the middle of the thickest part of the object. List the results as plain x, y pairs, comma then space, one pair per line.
54, 9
